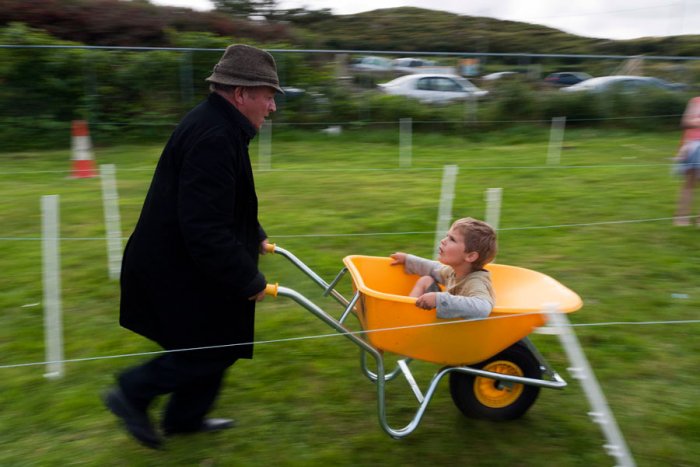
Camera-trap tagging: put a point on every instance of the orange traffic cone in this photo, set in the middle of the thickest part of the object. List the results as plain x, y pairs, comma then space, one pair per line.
83, 162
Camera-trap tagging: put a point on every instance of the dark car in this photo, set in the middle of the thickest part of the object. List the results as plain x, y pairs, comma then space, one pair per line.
411, 65
566, 78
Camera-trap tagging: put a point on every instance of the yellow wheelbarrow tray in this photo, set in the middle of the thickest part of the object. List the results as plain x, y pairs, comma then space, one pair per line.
495, 372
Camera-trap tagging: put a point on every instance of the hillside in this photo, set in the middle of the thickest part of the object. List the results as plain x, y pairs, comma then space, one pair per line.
414, 29
139, 23
132, 23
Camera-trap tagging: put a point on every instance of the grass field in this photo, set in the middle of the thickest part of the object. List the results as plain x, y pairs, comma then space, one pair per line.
599, 222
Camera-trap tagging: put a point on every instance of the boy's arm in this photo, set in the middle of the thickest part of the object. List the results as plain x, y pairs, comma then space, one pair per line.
423, 267
458, 306
477, 302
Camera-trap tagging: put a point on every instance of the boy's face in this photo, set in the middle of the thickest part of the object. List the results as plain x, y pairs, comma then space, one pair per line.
452, 249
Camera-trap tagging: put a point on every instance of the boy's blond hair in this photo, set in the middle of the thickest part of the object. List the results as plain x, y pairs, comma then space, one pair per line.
479, 237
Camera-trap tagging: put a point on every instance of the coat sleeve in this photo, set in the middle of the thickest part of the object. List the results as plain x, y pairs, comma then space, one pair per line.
208, 208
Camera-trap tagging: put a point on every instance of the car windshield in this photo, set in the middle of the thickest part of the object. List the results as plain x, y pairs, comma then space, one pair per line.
412, 62
399, 81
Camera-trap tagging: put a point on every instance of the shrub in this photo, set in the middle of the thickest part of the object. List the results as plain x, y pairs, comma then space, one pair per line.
514, 100
578, 108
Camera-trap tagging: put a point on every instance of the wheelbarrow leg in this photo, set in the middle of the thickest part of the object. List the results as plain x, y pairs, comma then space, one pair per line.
403, 364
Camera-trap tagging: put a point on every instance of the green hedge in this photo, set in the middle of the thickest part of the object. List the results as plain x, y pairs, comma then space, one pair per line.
129, 95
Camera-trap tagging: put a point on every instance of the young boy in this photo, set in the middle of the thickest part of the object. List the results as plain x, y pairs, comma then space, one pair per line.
467, 247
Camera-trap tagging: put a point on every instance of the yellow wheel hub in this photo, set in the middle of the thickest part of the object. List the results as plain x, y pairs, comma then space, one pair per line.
498, 394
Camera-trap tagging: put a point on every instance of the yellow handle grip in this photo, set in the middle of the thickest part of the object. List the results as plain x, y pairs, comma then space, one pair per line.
270, 247
271, 289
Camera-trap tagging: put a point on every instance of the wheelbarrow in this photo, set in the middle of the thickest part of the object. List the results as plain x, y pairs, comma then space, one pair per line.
495, 372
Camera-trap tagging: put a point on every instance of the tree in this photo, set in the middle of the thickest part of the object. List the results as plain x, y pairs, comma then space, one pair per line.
247, 8
302, 16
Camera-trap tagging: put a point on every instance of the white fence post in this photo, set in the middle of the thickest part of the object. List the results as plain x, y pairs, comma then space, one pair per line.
581, 370
110, 202
493, 207
449, 177
471, 108
405, 141
556, 137
265, 146
51, 272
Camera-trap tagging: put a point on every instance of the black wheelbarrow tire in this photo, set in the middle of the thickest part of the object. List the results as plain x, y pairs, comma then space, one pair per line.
486, 398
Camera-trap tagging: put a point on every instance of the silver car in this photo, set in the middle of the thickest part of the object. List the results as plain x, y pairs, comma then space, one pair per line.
371, 63
433, 88
623, 83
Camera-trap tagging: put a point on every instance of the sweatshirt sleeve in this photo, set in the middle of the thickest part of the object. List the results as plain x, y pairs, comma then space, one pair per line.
458, 306
423, 267
477, 302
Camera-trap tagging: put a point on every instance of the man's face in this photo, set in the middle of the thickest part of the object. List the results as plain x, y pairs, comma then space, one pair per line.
256, 103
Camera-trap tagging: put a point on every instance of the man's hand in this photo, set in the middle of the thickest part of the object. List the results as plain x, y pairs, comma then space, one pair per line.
258, 297
263, 248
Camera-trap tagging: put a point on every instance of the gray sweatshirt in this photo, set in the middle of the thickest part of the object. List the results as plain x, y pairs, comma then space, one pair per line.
471, 297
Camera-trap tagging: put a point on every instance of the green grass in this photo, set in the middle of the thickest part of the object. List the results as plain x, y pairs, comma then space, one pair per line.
306, 402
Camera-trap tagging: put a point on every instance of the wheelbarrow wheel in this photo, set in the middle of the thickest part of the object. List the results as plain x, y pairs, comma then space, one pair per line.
486, 398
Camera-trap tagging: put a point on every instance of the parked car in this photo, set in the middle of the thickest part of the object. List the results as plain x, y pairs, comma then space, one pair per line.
411, 65
371, 63
298, 98
433, 88
291, 92
566, 78
624, 84
501, 75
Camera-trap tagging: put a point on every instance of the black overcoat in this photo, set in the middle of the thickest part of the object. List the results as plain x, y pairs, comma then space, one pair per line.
191, 263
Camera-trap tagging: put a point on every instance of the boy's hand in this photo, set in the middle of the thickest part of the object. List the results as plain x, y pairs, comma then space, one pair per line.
399, 258
427, 301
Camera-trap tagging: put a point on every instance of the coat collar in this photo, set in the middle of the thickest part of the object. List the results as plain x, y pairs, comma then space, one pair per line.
233, 114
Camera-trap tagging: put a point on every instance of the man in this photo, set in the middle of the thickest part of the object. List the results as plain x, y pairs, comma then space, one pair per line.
189, 277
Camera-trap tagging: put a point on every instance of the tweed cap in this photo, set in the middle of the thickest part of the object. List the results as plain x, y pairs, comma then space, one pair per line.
243, 65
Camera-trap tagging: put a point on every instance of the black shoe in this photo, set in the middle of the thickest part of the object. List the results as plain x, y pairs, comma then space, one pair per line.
135, 421
208, 425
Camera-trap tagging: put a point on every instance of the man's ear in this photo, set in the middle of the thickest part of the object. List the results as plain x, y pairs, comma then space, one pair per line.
471, 256
237, 95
